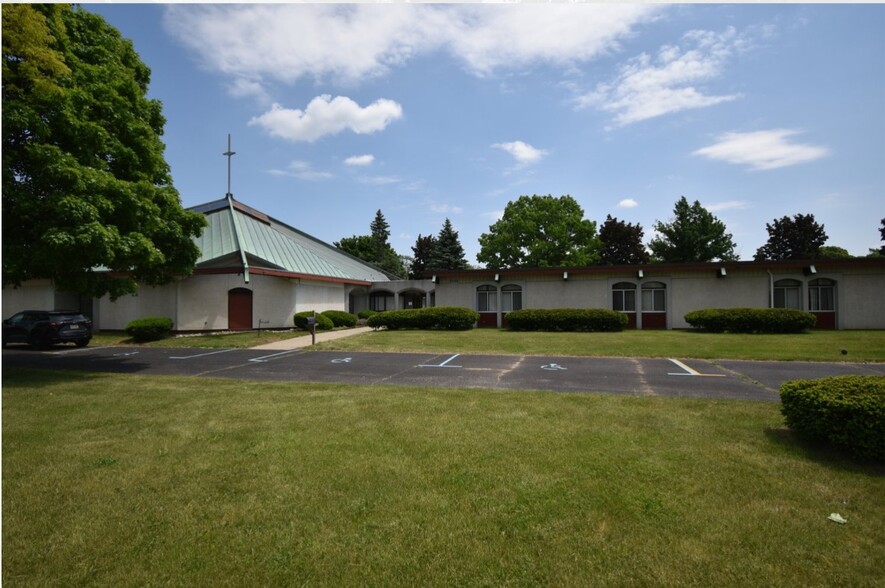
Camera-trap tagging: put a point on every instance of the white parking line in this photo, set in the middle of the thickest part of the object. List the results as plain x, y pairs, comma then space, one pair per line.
443, 364
202, 354
691, 372
265, 358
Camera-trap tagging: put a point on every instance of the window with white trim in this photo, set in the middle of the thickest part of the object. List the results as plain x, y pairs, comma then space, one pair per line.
822, 295
787, 294
654, 297
487, 299
511, 297
624, 297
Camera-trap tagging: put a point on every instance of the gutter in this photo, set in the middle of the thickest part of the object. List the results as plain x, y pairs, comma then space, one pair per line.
233, 216
770, 289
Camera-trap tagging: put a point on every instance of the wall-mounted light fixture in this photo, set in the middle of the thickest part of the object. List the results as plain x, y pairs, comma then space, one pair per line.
640, 274
565, 276
721, 273
810, 270
434, 280
497, 278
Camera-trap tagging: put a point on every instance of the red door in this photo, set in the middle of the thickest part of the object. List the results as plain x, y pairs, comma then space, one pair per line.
239, 309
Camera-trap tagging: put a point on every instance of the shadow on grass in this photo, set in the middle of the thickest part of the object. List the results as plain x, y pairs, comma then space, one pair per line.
39, 378
823, 453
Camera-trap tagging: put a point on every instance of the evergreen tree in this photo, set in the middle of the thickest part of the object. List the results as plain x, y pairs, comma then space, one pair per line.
423, 254
448, 254
621, 243
374, 248
694, 235
800, 237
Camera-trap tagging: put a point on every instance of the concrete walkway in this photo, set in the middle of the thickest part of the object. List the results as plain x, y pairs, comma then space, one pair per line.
305, 340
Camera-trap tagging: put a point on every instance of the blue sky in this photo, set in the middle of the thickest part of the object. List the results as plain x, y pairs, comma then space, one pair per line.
436, 111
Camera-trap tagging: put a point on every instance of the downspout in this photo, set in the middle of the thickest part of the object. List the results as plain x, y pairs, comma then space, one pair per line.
770, 289
233, 216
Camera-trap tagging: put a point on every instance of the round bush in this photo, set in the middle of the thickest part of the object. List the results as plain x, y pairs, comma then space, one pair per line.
566, 319
846, 411
149, 328
324, 323
340, 318
449, 318
751, 320
365, 314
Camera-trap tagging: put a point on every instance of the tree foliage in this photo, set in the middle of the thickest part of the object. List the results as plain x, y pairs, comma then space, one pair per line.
882, 235
833, 252
88, 200
800, 237
540, 231
621, 243
423, 254
693, 235
448, 254
375, 248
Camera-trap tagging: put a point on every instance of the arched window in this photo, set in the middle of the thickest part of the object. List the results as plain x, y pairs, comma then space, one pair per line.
822, 295
624, 297
654, 297
511, 297
487, 299
786, 294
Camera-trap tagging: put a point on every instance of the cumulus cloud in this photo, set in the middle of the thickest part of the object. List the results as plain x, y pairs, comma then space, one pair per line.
762, 150
351, 43
650, 86
360, 160
446, 209
380, 180
727, 205
522, 152
628, 203
325, 115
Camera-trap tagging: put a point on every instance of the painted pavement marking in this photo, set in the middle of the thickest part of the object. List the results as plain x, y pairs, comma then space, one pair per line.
202, 354
553, 367
266, 358
443, 364
690, 371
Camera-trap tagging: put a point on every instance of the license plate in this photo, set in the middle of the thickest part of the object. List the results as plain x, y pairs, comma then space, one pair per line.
74, 327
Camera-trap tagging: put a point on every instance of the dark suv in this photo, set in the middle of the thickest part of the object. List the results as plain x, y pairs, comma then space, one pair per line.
44, 328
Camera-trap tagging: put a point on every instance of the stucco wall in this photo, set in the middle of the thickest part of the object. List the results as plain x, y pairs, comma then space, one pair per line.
149, 301
861, 301
320, 296
33, 295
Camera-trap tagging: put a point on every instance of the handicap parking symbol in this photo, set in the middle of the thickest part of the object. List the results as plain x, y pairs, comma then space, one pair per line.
553, 367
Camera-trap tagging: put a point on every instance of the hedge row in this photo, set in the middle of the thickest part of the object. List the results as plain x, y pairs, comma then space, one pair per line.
149, 328
845, 411
324, 323
566, 319
365, 314
340, 318
448, 318
751, 320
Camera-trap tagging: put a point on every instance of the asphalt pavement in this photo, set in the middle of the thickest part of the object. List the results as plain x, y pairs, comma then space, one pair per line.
734, 379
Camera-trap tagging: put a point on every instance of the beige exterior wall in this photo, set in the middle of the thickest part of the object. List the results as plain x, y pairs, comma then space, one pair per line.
320, 296
149, 301
33, 295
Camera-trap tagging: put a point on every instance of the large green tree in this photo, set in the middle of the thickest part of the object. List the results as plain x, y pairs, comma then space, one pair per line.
423, 254
693, 235
375, 247
621, 243
88, 200
800, 237
540, 231
448, 254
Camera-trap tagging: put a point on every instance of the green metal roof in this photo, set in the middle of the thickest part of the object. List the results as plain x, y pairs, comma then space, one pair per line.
239, 235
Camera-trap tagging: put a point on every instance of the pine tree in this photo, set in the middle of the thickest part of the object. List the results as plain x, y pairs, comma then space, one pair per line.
423, 255
448, 254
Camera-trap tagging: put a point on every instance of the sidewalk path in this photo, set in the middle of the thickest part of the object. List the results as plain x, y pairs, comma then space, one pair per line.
305, 340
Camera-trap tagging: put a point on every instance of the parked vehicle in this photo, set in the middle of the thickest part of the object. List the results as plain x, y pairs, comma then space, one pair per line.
44, 328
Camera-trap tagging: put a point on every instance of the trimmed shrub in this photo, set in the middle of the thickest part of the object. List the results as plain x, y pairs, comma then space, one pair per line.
846, 411
566, 319
149, 328
365, 314
324, 323
751, 320
340, 318
448, 318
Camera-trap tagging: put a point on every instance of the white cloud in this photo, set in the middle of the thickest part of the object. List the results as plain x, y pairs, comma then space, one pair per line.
325, 115
523, 153
727, 205
446, 209
628, 203
350, 43
762, 150
648, 87
493, 215
360, 160
380, 180
303, 170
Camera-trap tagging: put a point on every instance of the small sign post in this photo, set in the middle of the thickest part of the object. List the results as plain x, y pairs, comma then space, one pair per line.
312, 325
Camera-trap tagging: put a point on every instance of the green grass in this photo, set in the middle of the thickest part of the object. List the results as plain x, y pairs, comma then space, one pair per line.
129, 480
813, 346
240, 340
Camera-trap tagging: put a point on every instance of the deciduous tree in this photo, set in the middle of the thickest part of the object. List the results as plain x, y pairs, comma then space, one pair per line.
88, 200
423, 254
621, 243
540, 231
693, 235
800, 237
375, 248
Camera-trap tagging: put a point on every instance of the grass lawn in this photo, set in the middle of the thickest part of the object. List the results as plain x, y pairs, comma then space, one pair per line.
132, 480
813, 346
239, 340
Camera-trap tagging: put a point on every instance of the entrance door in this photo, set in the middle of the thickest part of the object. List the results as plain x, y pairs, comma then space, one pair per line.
822, 302
239, 309
654, 305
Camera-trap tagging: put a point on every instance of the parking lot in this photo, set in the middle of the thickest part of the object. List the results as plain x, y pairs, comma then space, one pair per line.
636, 376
